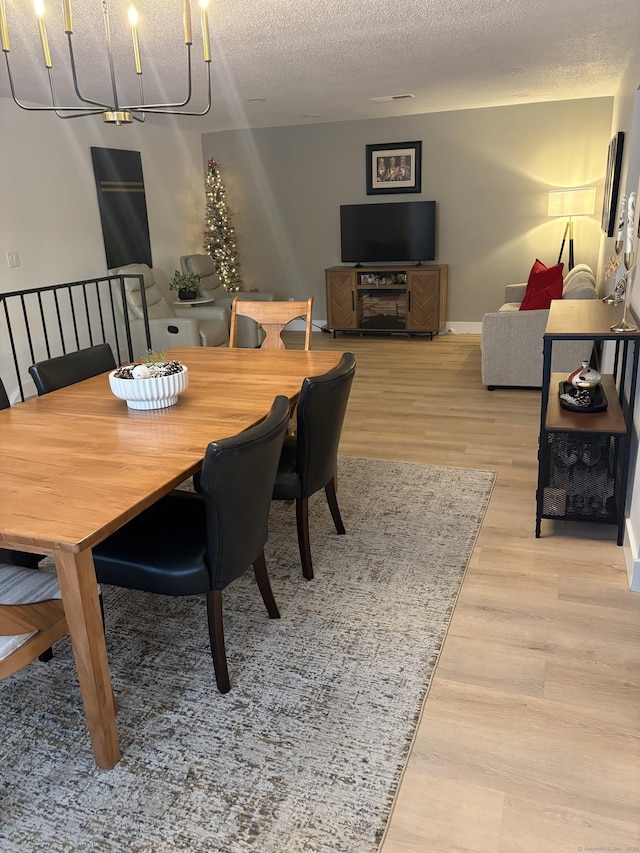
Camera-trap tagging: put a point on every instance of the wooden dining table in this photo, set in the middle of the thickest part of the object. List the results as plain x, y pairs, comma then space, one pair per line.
77, 464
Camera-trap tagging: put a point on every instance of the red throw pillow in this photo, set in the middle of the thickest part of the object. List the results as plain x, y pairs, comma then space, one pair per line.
545, 284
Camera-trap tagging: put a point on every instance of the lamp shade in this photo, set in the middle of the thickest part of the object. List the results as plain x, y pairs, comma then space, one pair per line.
578, 202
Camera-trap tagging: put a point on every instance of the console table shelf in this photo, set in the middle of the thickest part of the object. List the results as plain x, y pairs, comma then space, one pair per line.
410, 299
583, 458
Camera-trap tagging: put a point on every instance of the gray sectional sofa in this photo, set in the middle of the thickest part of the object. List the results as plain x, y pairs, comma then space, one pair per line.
512, 339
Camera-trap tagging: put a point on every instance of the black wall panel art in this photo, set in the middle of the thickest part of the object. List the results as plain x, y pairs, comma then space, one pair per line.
123, 206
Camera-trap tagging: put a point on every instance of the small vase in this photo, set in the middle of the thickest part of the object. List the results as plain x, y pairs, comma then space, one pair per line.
187, 295
584, 377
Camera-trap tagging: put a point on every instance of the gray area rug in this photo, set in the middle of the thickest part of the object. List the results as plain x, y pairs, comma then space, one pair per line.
306, 751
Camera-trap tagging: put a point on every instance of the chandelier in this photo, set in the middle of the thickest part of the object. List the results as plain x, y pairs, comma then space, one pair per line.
113, 112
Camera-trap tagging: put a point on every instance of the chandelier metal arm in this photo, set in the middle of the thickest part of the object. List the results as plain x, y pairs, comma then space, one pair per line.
74, 77
56, 108
157, 110
143, 106
111, 113
107, 38
169, 109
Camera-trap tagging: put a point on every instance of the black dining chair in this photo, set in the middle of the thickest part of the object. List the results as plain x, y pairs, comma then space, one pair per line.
63, 370
310, 457
4, 397
197, 544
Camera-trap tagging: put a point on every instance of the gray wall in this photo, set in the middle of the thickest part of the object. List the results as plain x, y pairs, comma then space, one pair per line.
489, 170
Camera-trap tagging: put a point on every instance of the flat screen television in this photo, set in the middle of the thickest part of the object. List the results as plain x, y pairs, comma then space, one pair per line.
396, 232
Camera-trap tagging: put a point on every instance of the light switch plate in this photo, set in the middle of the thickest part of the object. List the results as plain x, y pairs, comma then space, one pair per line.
13, 259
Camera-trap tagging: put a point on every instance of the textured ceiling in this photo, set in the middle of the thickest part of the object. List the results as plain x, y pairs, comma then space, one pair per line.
323, 61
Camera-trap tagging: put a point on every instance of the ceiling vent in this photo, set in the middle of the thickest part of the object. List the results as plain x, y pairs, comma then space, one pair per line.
392, 98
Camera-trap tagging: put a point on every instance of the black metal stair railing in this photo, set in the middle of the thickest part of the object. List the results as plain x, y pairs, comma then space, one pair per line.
45, 322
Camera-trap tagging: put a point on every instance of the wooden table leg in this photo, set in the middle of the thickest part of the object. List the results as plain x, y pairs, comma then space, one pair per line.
77, 579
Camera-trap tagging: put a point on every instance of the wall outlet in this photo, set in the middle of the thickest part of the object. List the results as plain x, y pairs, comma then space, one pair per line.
13, 259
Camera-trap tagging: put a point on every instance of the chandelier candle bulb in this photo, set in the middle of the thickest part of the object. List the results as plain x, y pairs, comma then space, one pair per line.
206, 48
186, 19
133, 20
39, 10
4, 29
68, 18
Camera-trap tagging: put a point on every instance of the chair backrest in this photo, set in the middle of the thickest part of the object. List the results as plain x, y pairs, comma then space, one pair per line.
321, 408
157, 306
4, 397
31, 616
273, 317
237, 484
202, 265
19, 558
73, 367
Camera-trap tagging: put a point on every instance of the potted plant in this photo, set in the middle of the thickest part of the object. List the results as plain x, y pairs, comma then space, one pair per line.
186, 283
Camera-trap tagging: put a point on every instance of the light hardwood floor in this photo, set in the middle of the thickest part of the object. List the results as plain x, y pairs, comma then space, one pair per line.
530, 734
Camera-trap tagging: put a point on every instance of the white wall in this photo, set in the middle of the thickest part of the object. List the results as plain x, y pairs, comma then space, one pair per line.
490, 171
49, 206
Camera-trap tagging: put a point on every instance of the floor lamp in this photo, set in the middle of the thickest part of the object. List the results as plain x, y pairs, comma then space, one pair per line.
570, 203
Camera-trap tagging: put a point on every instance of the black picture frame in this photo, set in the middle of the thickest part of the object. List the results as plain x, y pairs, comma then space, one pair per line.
384, 162
612, 184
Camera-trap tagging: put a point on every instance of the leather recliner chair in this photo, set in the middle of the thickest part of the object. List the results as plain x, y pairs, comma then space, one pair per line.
168, 328
249, 332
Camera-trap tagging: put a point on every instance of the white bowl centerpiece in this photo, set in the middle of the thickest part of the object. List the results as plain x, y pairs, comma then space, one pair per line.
149, 384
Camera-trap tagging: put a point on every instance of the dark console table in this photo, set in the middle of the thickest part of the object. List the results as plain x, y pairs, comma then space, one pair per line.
583, 458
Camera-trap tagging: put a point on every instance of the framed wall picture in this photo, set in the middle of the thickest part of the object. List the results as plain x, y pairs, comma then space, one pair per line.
123, 207
394, 167
612, 184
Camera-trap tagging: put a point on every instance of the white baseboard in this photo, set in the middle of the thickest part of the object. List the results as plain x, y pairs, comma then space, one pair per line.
452, 328
630, 546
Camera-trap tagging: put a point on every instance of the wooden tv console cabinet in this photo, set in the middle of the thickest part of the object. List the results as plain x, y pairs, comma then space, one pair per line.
409, 299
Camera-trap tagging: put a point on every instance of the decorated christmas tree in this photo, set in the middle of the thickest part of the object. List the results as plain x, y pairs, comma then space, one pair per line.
219, 240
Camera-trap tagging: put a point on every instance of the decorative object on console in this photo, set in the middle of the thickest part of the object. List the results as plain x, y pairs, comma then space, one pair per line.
544, 284
621, 222
629, 260
582, 392
584, 376
186, 283
149, 385
394, 167
570, 203
585, 400
114, 112
219, 241
612, 183
609, 269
